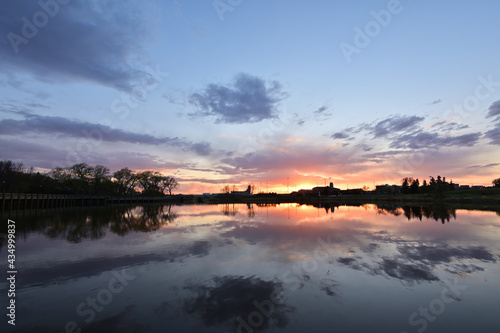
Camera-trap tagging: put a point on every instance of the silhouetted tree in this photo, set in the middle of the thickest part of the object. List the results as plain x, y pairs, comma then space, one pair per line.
126, 181
226, 189
150, 181
414, 186
82, 178
496, 182
81, 175
100, 178
169, 184
405, 184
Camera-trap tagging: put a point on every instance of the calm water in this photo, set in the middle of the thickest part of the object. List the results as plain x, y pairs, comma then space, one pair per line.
245, 268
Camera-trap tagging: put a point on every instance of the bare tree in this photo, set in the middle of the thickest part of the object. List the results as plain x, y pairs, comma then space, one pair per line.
100, 174
168, 183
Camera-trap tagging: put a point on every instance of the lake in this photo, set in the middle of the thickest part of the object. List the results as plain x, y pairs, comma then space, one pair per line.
256, 268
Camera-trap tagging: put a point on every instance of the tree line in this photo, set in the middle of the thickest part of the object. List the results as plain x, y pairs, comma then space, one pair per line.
438, 184
82, 178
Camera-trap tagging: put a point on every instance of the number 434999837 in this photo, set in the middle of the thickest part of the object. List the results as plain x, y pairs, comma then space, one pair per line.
11, 247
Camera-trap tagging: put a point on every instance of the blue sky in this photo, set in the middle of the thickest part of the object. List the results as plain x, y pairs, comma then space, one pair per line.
237, 92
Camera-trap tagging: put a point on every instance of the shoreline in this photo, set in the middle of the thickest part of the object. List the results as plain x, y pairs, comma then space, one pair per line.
473, 199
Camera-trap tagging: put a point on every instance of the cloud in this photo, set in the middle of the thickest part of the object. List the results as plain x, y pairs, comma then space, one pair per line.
262, 233
248, 99
437, 101
67, 128
422, 139
364, 147
393, 267
353, 263
452, 126
321, 113
384, 154
461, 269
481, 166
45, 156
196, 249
329, 286
85, 40
295, 157
321, 109
31, 154
407, 271
494, 135
345, 134
394, 124
443, 253
494, 109
417, 263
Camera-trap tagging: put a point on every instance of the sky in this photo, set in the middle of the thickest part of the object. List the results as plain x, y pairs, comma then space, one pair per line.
280, 94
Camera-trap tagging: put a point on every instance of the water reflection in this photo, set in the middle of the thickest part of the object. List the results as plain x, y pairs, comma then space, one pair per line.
232, 300
244, 267
145, 219
436, 212
79, 224
230, 209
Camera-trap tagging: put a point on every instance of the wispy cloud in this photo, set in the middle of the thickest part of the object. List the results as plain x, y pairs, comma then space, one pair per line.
321, 109
394, 124
449, 126
479, 166
302, 157
406, 132
68, 128
322, 113
248, 99
494, 109
494, 135
347, 133
341, 135
45, 156
422, 139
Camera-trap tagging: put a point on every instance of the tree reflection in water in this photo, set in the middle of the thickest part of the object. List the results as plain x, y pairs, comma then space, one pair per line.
145, 219
76, 225
436, 212
229, 209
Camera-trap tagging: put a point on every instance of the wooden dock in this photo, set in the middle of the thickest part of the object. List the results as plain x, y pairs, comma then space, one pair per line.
36, 201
